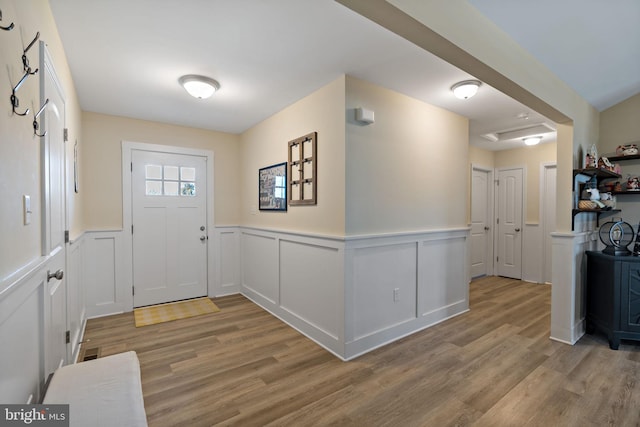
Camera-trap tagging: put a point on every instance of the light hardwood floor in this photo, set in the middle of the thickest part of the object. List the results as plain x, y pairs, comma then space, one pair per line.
492, 366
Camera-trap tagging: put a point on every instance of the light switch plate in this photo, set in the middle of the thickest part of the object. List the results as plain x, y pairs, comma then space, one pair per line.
27, 209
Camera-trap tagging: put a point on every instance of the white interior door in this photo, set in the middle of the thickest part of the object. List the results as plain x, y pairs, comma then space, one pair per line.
481, 241
548, 217
52, 120
169, 218
509, 223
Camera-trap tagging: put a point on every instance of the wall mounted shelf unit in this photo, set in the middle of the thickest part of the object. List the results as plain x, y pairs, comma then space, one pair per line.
599, 174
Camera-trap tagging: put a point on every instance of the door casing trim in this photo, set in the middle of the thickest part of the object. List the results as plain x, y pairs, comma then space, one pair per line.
490, 268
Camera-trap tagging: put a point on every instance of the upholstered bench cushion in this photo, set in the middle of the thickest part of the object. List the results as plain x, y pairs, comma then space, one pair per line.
101, 392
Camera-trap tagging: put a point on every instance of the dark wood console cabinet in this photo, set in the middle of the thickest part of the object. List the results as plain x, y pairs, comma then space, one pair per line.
613, 296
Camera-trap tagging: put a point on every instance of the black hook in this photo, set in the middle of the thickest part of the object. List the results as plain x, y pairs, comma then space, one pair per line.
35, 119
14, 98
25, 60
9, 28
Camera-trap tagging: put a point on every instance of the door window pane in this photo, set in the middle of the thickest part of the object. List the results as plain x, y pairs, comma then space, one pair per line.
171, 173
153, 188
187, 174
170, 180
170, 188
153, 172
188, 188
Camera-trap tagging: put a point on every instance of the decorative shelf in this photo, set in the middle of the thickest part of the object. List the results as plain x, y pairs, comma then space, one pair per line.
625, 192
623, 158
598, 173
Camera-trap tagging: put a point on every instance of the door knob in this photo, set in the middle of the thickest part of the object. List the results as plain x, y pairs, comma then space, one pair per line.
58, 275
202, 228
486, 229
203, 238
517, 230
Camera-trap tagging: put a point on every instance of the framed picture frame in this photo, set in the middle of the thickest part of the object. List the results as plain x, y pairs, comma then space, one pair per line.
272, 187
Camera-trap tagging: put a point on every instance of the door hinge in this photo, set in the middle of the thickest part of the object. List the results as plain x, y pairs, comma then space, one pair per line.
66, 236
131, 166
67, 337
65, 134
131, 228
497, 220
133, 291
497, 258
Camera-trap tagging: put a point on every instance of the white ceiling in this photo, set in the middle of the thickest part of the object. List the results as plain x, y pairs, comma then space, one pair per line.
126, 57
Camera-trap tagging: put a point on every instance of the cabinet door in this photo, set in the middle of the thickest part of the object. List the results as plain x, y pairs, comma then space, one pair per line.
630, 297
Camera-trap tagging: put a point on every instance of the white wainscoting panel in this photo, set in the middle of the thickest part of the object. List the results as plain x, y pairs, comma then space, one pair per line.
227, 244
76, 310
532, 253
384, 287
260, 262
107, 291
299, 279
312, 284
443, 288
429, 269
568, 298
22, 337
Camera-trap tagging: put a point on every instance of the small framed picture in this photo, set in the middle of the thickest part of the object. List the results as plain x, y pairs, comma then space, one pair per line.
272, 188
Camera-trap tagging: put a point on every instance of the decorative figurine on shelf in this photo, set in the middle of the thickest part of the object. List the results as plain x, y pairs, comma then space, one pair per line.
627, 150
617, 169
633, 183
618, 187
604, 163
588, 161
595, 197
594, 155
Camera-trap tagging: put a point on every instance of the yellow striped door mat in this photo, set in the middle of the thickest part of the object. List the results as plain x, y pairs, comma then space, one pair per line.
153, 314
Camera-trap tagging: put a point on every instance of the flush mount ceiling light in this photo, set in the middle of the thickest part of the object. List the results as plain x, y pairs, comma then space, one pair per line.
199, 86
465, 89
532, 140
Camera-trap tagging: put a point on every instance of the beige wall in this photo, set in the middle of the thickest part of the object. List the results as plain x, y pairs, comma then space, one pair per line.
531, 158
101, 164
19, 149
480, 157
266, 144
620, 124
408, 171
461, 35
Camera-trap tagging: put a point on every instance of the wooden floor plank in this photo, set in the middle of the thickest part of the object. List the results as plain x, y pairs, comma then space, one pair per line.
492, 366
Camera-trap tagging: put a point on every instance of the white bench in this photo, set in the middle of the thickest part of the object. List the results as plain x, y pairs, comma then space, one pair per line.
102, 392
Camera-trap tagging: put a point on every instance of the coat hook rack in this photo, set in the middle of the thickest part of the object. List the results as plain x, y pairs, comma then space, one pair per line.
9, 28
35, 119
14, 98
25, 60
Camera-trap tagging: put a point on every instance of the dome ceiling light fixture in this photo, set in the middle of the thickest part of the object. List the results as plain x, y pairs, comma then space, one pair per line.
466, 89
200, 87
532, 140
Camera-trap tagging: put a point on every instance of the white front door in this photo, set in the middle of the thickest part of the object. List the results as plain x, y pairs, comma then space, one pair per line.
169, 219
481, 242
53, 172
509, 223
